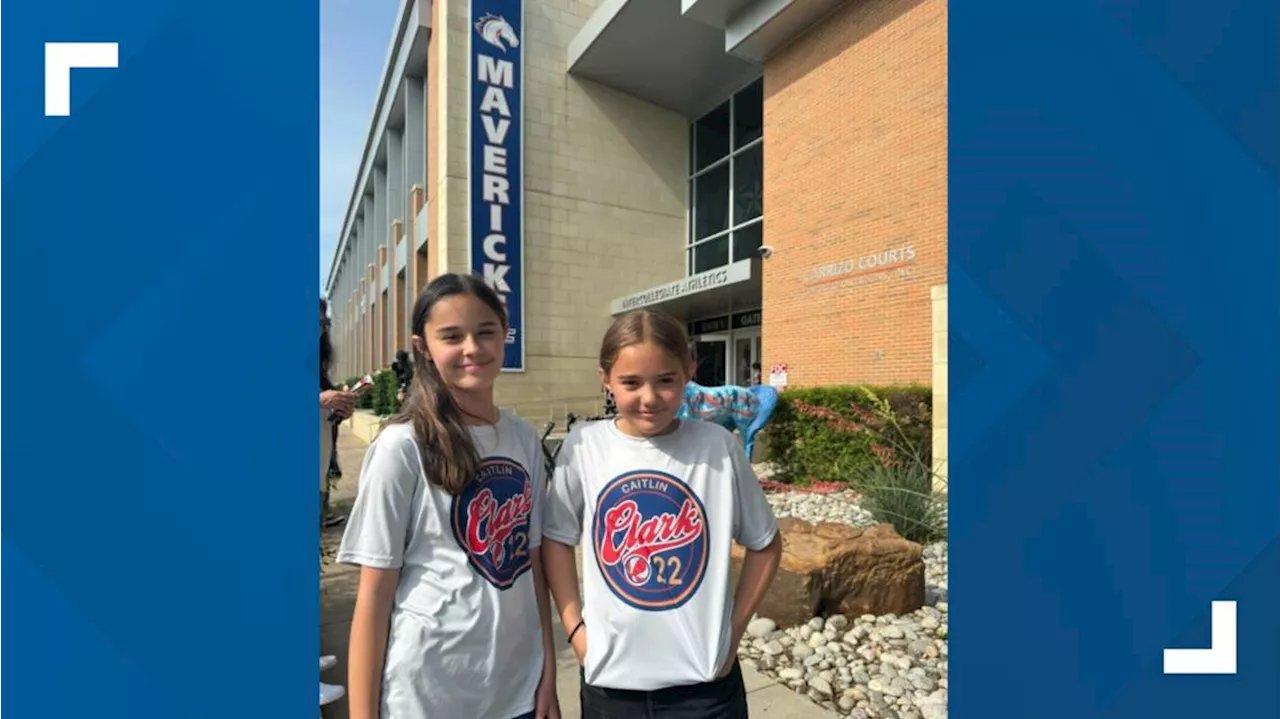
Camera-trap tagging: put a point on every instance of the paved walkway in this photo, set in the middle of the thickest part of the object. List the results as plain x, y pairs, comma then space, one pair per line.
766, 697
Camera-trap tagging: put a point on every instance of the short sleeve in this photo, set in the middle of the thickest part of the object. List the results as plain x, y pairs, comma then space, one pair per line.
537, 491
377, 528
754, 524
563, 519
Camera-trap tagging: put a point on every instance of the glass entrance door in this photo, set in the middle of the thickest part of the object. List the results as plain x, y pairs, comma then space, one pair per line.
746, 357
711, 357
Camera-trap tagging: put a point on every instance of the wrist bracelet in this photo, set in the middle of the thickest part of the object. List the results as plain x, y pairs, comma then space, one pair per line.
581, 623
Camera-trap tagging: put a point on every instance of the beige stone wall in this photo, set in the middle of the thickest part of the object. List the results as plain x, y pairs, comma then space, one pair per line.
604, 182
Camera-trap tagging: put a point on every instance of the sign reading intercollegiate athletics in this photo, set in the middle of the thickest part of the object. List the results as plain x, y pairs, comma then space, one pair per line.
739, 271
495, 113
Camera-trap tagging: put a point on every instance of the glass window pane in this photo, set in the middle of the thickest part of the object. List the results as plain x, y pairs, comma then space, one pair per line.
710, 255
748, 114
689, 234
692, 148
743, 358
712, 136
711, 202
748, 185
747, 240
709, 358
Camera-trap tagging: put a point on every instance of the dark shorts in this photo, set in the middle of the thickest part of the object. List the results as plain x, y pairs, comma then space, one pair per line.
721, 699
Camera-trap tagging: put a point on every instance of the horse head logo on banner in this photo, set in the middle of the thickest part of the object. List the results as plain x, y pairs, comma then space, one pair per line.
495, 30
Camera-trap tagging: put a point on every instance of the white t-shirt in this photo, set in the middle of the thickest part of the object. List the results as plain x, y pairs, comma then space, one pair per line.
660, 515
465, 638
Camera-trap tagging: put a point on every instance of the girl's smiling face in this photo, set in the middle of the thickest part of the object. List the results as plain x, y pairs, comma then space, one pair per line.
647, 383
465, 340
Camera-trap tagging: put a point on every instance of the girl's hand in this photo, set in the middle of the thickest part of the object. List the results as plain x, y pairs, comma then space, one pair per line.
548, 703
735, 638
728, 664
580, 645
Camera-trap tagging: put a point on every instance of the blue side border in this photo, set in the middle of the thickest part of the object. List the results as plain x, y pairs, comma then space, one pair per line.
161, 448
1115, 338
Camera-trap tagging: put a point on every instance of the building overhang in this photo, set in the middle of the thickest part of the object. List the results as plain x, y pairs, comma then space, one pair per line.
407, 57
649, 49
715, 13
756, 29
730, 288
687, 55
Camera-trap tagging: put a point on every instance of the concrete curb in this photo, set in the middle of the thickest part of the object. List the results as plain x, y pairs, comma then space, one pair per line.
364, 425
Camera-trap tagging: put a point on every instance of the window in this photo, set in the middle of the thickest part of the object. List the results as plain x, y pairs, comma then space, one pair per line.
726, 181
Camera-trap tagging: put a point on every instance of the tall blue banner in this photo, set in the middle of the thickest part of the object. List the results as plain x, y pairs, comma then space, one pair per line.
496, 162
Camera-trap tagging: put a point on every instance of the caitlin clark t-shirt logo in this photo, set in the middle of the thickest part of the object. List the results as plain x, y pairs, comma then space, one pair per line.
651, 540
491, 521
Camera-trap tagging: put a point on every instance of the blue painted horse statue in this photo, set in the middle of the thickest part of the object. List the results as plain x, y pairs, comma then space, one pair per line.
746, 409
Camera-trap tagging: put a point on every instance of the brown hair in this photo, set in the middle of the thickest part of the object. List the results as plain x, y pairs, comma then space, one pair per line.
449, 455
640, 326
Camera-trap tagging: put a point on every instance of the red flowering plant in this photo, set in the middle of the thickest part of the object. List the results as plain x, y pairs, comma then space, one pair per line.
899, 485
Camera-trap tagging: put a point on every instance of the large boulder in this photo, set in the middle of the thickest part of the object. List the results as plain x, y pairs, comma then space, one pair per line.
831, 568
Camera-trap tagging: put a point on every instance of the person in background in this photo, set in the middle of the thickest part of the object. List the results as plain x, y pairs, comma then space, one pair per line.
332, 400
402, 366
342, 404
335, 471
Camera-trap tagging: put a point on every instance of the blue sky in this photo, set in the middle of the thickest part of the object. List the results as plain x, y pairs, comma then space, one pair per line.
354, 38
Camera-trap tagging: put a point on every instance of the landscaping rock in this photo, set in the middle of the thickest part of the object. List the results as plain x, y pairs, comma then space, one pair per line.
830, 568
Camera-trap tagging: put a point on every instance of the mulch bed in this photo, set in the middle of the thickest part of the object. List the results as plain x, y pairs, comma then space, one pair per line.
772, 486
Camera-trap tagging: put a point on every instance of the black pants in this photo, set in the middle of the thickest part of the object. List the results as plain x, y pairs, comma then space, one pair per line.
722, 699
334, 469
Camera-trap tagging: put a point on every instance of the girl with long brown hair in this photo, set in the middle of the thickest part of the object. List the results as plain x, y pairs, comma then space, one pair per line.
452, 617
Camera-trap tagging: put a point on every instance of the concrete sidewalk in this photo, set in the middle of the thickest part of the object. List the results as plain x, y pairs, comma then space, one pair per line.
766, 697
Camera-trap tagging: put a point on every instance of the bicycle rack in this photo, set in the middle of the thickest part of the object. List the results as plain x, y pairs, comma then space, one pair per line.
549, 456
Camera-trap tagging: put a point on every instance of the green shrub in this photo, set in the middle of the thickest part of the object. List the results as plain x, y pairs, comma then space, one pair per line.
902, 494
383, 396
878, 441
805, 446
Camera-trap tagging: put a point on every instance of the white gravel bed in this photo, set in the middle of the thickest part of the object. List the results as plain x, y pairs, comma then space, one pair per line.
868, 667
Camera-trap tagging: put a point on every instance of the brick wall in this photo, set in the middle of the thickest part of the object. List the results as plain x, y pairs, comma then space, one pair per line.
855, 166
604, 202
